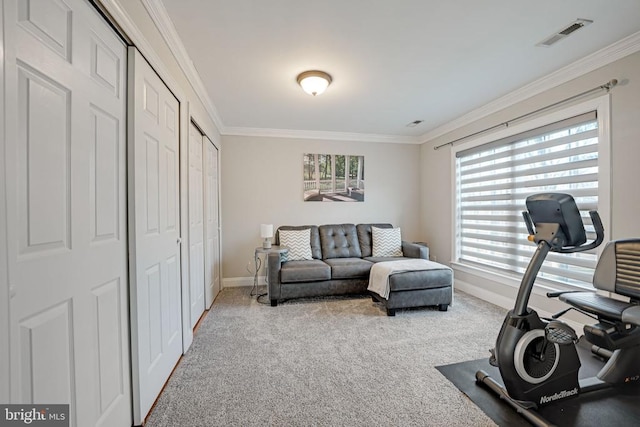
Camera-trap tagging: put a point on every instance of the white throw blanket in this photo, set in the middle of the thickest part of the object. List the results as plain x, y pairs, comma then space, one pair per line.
380, 272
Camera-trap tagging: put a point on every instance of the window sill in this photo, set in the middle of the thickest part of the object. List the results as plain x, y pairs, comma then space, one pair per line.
541, 286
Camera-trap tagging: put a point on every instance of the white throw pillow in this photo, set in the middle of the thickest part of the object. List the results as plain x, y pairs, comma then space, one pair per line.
386, 242
298, 242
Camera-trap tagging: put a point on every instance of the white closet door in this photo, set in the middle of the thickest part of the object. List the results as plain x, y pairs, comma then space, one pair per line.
156, 330
196, 225
212, 252
66, 210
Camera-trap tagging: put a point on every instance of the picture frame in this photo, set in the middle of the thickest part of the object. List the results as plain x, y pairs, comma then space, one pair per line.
333, 178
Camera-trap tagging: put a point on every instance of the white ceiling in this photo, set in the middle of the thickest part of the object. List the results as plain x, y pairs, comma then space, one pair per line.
392, 62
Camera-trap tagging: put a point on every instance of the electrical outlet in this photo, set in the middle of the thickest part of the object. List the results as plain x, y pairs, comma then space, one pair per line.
251, 267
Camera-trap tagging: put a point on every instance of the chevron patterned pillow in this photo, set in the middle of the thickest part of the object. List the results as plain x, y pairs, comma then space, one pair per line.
386, 242
298, 242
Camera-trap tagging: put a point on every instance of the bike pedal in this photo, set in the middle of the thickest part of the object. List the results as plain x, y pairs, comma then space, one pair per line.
560, 333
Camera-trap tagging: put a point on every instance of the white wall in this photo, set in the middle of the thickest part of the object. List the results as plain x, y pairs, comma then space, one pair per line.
262, 183
436, 202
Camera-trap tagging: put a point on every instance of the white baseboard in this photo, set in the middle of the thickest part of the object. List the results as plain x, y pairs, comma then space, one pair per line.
507, 303
492, 297
236, 282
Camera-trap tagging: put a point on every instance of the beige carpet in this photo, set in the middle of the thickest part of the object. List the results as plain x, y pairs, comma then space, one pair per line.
327, 362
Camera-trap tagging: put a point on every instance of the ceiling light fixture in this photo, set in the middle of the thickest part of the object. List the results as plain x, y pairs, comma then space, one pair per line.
314, 82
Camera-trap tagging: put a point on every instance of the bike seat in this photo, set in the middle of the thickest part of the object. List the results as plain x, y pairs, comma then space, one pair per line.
604, 307
617, 271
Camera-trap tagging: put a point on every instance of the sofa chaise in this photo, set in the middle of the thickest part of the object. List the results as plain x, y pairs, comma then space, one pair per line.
338, 262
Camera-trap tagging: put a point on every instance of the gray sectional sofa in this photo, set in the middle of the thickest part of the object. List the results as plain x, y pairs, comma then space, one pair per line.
341, 262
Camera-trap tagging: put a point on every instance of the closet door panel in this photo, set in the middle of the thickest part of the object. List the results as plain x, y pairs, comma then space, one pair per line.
65, 191
156, 331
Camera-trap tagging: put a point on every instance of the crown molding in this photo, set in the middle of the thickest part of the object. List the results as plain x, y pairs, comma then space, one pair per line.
324, 135
138, 39
161, 20
604, 56
163, 23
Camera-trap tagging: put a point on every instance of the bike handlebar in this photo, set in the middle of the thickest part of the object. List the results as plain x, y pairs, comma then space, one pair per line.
597, 224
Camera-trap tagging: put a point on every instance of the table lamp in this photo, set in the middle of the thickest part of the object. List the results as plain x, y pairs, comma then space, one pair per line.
266, 232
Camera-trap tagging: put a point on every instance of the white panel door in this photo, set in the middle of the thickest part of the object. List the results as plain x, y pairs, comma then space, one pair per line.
196, 225
212, 250
154, 238
65, 141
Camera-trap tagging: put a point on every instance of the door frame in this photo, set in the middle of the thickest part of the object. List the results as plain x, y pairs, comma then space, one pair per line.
194, 318
4, 273
210, 298
183, 124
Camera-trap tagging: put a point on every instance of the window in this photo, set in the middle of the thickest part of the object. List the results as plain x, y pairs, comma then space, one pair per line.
494, 179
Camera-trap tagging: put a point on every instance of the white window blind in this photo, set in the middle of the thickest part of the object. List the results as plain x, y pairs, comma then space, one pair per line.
493, 181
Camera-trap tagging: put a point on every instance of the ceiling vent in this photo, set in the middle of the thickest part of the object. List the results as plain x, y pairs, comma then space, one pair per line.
564, 32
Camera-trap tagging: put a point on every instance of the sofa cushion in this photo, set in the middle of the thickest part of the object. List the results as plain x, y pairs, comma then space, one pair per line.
339, 241
364, 237
315, 237
386, 242
349, 268
304, 271
299, 244
422, 279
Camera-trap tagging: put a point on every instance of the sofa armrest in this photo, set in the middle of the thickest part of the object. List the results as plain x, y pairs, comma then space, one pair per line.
413, 250
274, 264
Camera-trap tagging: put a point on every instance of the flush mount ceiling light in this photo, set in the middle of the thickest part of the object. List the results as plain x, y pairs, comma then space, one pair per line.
314, 82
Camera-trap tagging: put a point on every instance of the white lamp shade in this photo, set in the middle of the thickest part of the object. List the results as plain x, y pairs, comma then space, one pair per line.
314, 82
266, 231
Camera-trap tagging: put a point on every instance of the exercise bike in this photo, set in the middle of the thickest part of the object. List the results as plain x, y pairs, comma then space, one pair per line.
537, 358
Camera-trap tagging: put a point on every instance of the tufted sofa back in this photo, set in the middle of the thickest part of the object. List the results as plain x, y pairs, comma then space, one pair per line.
339, 241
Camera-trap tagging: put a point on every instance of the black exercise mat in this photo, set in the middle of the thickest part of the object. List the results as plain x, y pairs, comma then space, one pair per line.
609, 407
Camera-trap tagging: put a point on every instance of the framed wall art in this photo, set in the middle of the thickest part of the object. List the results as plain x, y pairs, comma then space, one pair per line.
333, 178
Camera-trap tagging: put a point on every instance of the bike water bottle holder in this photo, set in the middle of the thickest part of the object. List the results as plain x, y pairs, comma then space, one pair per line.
560, 333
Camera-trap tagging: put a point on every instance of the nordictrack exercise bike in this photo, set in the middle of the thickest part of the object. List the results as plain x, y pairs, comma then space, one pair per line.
537, 357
